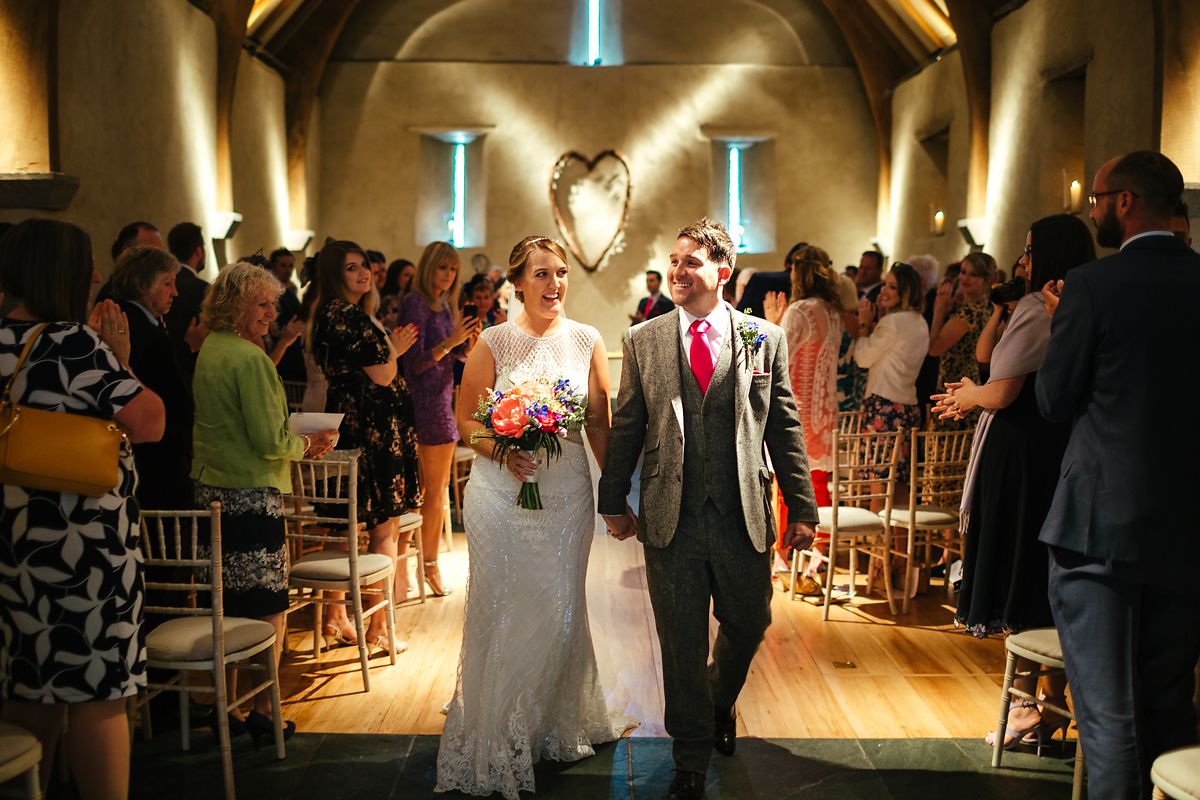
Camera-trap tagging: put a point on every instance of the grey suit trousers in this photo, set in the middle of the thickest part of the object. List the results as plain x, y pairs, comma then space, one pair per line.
710, 556
1130, 643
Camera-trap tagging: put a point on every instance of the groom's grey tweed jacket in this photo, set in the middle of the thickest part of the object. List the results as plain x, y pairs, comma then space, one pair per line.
649, 419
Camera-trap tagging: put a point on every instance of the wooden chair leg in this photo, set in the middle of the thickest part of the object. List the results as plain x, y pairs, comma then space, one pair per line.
221, 709
1010, 668
889, 590
418, 572
318, 612
389, 616
1077, 778
33, 783
831, 559
355, 595
185, 711
272, 666
911, 550
795, 565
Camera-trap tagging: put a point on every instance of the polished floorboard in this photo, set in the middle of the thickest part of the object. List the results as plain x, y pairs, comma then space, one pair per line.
866, 705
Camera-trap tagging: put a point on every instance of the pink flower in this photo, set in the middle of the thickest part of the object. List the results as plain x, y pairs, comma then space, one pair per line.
510, 416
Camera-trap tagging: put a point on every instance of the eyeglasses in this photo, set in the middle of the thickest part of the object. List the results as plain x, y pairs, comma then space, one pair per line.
1096, 195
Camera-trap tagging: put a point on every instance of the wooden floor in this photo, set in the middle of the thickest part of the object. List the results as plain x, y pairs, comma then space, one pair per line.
863, 674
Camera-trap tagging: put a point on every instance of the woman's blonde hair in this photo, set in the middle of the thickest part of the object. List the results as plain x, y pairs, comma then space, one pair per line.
813, 276
436, 254
518, 259
232, 292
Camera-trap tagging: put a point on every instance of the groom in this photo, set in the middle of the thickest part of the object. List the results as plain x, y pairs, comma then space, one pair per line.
704, 392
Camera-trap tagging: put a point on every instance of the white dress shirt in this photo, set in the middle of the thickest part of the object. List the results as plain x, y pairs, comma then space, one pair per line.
1144, 234
719, 323
893, 355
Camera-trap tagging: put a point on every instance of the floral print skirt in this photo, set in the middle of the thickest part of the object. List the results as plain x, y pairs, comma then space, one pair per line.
882, 415
254, 555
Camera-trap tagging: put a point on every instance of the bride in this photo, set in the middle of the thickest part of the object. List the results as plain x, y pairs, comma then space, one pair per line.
528, 687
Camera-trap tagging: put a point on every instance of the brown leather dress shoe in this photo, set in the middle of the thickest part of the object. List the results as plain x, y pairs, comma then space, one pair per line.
725, 730
686, 786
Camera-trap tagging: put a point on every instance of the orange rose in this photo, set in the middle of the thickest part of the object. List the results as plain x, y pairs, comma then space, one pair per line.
509, 417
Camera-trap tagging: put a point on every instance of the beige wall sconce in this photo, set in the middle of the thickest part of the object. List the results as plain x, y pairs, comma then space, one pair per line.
937, 221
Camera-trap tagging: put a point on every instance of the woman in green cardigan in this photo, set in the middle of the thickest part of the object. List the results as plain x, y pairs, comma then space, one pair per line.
243, 451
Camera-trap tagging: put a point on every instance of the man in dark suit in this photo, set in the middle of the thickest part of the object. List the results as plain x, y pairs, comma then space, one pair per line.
869, 278
1123, 548
656, 304
186, 243
763, 283
704, 395
143, 284
135, 234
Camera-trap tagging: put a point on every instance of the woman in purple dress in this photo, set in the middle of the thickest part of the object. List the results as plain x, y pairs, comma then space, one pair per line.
443, 337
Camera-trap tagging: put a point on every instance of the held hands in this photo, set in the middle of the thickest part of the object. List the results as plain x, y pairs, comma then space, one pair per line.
1051, 294
798, 535
956, 402
522, 464
110, 323
774, 304
320, 443
622, 527
403, 338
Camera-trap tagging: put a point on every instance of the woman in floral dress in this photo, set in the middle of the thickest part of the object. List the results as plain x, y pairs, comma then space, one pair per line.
360, 362
955, 331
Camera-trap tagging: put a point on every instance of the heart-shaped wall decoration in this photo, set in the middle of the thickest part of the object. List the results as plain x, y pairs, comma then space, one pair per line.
590, 201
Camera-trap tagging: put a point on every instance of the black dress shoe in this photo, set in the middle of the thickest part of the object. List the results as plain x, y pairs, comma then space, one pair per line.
686, 786
725, 731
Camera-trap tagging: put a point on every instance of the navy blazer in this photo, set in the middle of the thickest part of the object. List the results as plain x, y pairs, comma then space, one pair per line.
757, 287
1122, 343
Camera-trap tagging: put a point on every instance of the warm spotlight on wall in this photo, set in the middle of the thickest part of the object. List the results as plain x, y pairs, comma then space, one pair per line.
223, 224
1073, 197
298, 240
937, 221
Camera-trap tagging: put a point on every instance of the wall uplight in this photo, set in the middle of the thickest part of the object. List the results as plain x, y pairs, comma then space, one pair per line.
1074, 197
937, 222
734, 198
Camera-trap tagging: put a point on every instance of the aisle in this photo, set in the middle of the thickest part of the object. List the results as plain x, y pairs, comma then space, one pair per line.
861, 675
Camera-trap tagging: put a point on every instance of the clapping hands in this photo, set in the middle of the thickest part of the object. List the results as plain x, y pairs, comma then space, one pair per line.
403, 338
110, 323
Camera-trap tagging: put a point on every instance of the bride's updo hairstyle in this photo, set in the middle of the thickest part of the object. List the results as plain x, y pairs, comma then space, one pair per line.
520, 254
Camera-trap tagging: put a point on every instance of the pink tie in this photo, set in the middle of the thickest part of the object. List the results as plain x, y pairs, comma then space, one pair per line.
700, 355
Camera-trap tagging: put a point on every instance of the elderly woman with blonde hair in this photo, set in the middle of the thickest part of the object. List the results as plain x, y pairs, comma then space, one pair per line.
242, 450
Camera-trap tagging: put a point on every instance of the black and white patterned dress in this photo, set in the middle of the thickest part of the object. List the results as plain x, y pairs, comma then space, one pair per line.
71, 592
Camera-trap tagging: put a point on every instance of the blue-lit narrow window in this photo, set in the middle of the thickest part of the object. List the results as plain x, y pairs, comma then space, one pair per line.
593, 33
734, 198
458, 218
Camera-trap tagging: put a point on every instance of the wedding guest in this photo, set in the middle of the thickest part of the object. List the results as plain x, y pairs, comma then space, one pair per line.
186, 243
891, 349
759, 284
656, 304
316, 387
443, 339
869, 276
396, 284
291, 360
1015, 457
958, 318
479, 291
242, 452
812, 324
1181, 224
143, 284
927, 267
135, 234
1122, 561
378, 264
360, 362
70, 567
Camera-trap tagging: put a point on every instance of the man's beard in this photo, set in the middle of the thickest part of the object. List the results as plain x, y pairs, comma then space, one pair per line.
1109, 232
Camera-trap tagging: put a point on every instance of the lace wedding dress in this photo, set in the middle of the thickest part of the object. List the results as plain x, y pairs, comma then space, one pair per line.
528, 687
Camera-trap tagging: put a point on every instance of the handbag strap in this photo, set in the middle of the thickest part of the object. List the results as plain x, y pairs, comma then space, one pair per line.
8, 384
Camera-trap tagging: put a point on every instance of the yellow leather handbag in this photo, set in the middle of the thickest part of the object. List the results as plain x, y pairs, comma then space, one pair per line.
55, 450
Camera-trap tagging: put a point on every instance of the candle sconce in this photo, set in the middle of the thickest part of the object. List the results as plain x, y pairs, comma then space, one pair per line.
937, 221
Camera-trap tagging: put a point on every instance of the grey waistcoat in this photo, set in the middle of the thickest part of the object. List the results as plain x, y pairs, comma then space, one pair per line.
710, 454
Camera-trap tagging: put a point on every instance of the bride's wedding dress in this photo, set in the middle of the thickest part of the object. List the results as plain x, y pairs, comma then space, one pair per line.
528, 687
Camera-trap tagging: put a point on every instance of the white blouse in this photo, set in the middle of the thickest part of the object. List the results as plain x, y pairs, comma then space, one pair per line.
893, 355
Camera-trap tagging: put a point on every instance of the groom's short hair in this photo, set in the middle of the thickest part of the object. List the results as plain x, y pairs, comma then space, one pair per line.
713, 237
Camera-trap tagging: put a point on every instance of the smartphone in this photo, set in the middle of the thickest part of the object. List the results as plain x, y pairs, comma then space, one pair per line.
470, 310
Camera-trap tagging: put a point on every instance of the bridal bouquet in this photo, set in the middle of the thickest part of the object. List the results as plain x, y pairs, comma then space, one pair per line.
531, 416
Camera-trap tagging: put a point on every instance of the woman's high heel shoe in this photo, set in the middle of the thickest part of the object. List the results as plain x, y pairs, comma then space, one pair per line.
380, 642
1043, 734
1014, 736
433, 577
260, 725
236, 726
333, 637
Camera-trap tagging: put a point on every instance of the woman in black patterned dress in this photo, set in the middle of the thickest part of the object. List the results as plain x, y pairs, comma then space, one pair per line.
71, 594
359, 360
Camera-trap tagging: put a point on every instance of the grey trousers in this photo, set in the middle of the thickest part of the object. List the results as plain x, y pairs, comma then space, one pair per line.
1130, 643
710, 557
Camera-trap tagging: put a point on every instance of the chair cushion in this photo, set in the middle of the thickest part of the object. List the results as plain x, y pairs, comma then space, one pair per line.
850, 519
1037, 644
190, 638
1178, 773
333, 566
20, 751
409, 522
927, 517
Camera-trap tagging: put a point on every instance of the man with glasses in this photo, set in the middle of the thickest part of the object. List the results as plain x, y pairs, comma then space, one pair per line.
1122, 555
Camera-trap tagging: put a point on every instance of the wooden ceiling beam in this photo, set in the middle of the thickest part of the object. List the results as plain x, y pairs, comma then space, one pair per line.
305, 48
230, 17
973, 22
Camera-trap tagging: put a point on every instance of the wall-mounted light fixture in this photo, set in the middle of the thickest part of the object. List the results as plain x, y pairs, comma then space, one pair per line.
974, 231
1073, 201
298, 240
937, 221
223, 224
